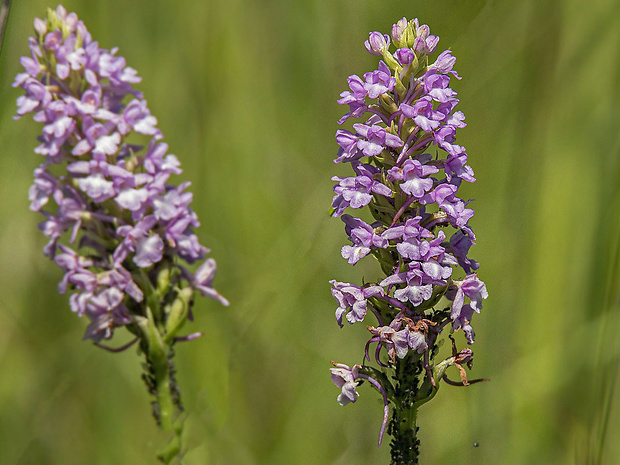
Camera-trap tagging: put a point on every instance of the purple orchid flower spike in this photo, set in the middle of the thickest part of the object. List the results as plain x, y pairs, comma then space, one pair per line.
117, 224
408, 171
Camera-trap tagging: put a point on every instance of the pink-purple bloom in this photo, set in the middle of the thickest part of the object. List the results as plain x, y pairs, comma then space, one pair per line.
114, 218
408, 171
356, 192
345, 378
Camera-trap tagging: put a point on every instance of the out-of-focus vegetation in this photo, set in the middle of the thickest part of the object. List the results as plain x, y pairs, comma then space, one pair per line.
245, 93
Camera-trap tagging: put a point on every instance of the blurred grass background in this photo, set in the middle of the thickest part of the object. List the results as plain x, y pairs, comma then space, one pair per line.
245, 93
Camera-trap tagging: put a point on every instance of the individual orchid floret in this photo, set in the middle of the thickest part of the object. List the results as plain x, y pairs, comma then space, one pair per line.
355, 98
352, 300
345, 378
379, 82
408, 170
462, 322
363, 237
349, 151
416, 289
470, 287
445, 63
375, 139
357, 192
415, 177
202, 281
459, 246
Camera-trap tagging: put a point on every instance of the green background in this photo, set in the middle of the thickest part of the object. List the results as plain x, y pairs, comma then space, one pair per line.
245, 93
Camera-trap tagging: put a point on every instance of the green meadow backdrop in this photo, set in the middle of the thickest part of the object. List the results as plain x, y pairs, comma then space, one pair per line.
245, 93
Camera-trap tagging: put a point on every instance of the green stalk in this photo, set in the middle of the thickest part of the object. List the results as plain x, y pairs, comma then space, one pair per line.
169, 413
159, 378
405, 445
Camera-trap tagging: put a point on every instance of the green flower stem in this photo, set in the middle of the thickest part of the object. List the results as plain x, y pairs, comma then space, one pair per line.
405, 446
159, 378
170, 415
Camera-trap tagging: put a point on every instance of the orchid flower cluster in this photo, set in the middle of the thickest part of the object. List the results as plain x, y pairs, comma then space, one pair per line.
116, 226
408, 169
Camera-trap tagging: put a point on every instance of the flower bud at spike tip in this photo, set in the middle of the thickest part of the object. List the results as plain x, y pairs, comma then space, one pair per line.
398, 30
377, 43
40, 27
